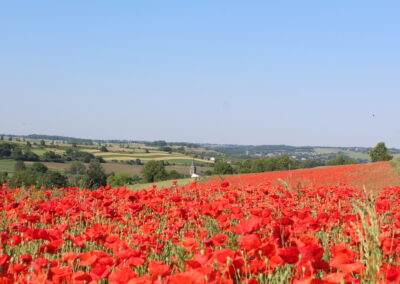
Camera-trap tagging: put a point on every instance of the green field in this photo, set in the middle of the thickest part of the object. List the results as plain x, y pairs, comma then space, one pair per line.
39, 151
7, 165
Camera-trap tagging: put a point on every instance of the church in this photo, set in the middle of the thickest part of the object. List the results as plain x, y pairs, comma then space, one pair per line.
193, 170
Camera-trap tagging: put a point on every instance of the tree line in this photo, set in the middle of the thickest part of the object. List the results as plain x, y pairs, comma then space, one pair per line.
24, 153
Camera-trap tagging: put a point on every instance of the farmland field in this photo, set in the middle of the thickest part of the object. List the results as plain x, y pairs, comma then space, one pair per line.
328, 225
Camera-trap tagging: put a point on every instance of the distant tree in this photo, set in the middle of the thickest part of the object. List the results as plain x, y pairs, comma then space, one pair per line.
1, 137
136, 178
24, 178
19, 166
95, 176
146, 151
76, 168
165, 149
51, 156
4, 177
28, 144
119, 179
258, 166
73, 154
42, 143
351, 161
286, 163
10, 138
39, 167
271, 164
6, 149
311, 164
223, 168
380, 153
174, 174
338, 161
103, 149
54, 179
138, 162
154, 171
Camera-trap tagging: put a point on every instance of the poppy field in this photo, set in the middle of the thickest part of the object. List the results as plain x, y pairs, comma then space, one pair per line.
328, 225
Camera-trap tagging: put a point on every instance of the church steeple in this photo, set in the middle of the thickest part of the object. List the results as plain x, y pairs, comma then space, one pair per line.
193, 169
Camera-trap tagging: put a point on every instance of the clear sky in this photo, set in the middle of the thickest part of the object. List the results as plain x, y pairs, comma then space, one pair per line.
239, 72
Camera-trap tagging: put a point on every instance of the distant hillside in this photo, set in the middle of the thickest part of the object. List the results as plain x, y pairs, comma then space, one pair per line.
360, 154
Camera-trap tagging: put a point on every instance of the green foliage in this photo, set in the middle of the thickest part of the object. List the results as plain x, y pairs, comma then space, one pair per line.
73, 154
19, 166
223, 168
103, 149
19, 155
154, 171
380, 153
39, 167
54, 179
4, 178
307, 164
51, 156
174, 174
30, 177
165, 149
95, 176
24, 178
286, 163
156, 143
120, 179
76, 168
341, 160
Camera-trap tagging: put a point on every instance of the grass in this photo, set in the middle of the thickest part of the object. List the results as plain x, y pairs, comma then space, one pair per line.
38, 151
7, 165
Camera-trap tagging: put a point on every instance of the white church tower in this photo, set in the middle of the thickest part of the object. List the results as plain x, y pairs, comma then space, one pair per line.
193, 170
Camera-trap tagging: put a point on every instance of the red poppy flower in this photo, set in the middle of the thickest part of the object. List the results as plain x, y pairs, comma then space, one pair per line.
158, 268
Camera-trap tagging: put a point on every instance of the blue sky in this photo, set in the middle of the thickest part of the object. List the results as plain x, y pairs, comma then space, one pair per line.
244, 72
